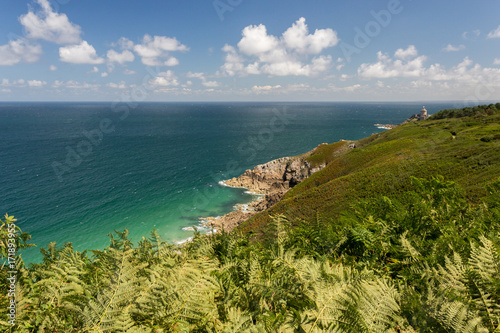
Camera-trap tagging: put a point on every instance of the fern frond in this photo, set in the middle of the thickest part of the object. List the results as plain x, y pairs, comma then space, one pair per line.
111, 309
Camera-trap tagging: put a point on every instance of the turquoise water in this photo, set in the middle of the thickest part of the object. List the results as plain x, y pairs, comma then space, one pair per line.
74, 172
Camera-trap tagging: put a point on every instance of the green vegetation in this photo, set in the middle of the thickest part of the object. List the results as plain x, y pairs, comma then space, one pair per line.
325, 153
381, 243
383, 163
468, 112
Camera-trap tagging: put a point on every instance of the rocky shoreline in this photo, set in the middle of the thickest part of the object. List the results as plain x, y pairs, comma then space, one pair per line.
271, 180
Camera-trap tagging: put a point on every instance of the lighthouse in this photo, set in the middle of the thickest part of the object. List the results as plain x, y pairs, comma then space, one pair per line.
423, 114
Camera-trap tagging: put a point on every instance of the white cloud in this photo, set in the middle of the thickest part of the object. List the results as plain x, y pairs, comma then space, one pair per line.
283, 56
410, 52
36, 83
494, 33
128, 72
204, 81
463, 79
451, 48
82, 53
165, 79
124, 44
121, 58
496, 61
153, 48
71, 84
50, 26
265, 88
17, 51
234, 63
120, 85
340, 63
344, 89
195, 75
469, 73
407, 65
211, 84
344, 77
53, 68
297, 38
94, 70
104, 74
256, 40
172, 61
21, 83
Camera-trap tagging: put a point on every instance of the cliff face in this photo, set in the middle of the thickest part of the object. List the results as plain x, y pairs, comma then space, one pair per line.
272, 179
276, 176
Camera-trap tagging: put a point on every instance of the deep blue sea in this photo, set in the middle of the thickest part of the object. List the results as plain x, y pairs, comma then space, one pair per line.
74, 172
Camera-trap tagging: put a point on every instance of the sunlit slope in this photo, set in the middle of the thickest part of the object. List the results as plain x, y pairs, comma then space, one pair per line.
465, 150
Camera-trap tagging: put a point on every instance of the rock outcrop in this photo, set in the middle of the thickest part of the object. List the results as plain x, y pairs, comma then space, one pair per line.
272, 179
277, 175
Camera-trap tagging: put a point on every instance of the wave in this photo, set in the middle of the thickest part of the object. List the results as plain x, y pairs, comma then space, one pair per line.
223, 183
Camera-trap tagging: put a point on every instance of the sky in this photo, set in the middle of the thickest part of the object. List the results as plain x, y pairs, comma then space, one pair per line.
249, 50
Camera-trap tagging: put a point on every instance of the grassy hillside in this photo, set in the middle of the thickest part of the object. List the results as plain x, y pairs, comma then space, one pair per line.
465, 150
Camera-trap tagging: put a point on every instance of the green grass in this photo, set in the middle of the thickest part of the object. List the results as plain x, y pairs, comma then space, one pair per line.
383, 163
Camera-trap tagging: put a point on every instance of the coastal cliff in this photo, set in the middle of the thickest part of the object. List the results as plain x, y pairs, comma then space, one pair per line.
272, 180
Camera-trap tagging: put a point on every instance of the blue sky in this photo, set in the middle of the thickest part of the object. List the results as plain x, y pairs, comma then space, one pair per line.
242, 50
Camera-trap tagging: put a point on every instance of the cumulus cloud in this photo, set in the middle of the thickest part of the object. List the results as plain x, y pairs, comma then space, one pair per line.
234, 63
406, 64
407, 53
465, 74
260, 53
152, 49
36, 83
53, 68
15, 83
19, 51
172, 61
297, 38
120, 57
204, 81
165, 79
255, 40
120, 85
82, 53
451, 48
50, 26
494, 33
265, 89
210, 84
496, 61
72, 84
344, 89
124, 44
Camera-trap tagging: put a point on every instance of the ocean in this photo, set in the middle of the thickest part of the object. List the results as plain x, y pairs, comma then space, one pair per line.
74, 172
